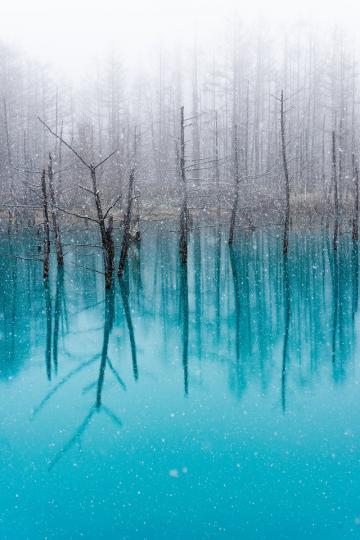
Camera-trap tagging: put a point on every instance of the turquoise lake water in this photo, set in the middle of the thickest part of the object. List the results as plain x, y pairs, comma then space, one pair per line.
217, 400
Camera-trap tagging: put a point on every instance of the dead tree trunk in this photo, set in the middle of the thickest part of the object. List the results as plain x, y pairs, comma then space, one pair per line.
184, 213
323, 176
56, 226
12, 211
336, 193
127, 236
127, 225
110, 253
217, 170
355, 222
218, 235
105, 230
286, 176
236, 188
46, 226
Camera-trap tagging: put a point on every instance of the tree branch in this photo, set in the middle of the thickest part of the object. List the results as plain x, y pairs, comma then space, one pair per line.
64, 142
76, 215
103, 161
112, 206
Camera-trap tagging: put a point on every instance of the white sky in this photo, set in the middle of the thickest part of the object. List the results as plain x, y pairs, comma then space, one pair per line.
69, 33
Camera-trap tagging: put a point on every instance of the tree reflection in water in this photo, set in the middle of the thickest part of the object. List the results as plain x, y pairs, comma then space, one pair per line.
256, 317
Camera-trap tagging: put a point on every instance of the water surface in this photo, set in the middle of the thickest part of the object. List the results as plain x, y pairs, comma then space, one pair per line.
217, 400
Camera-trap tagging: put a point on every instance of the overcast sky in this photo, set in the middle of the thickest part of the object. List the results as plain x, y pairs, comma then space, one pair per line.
69, 33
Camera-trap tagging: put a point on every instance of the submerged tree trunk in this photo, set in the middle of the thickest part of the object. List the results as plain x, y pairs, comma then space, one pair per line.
57, 315
218, 232
127, 310
110, 253
108, 326
355, 222
46, 226
48, 311
287, 312
184, 323
239, 373
286, 176
336, 194
56, 226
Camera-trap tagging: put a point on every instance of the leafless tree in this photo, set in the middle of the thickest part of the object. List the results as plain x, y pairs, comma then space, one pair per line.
104, 219
286, 176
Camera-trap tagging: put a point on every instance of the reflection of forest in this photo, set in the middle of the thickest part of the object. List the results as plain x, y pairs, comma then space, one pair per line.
262, 319
21, 310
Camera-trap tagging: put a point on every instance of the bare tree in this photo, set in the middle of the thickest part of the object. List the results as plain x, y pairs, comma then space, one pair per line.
355, 221
184, 212
127, 237
46, 226
236, 186
105, 225
54, 215
336, 193
286, 175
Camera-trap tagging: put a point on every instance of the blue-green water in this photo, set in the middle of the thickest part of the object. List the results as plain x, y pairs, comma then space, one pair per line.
219, 400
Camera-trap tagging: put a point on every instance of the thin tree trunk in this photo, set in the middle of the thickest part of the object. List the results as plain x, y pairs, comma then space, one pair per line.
246, 146
128, 216
56, 226
12, 211
184, 214
355, 223
195, 116
336, 194
218, 233
127, 225
110, 253
236, 188
217, 170
323, 158
60, 157
286, 175
46, 226
105, 232
48, 311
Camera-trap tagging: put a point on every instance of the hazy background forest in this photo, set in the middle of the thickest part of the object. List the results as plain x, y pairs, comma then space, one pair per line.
229, 80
